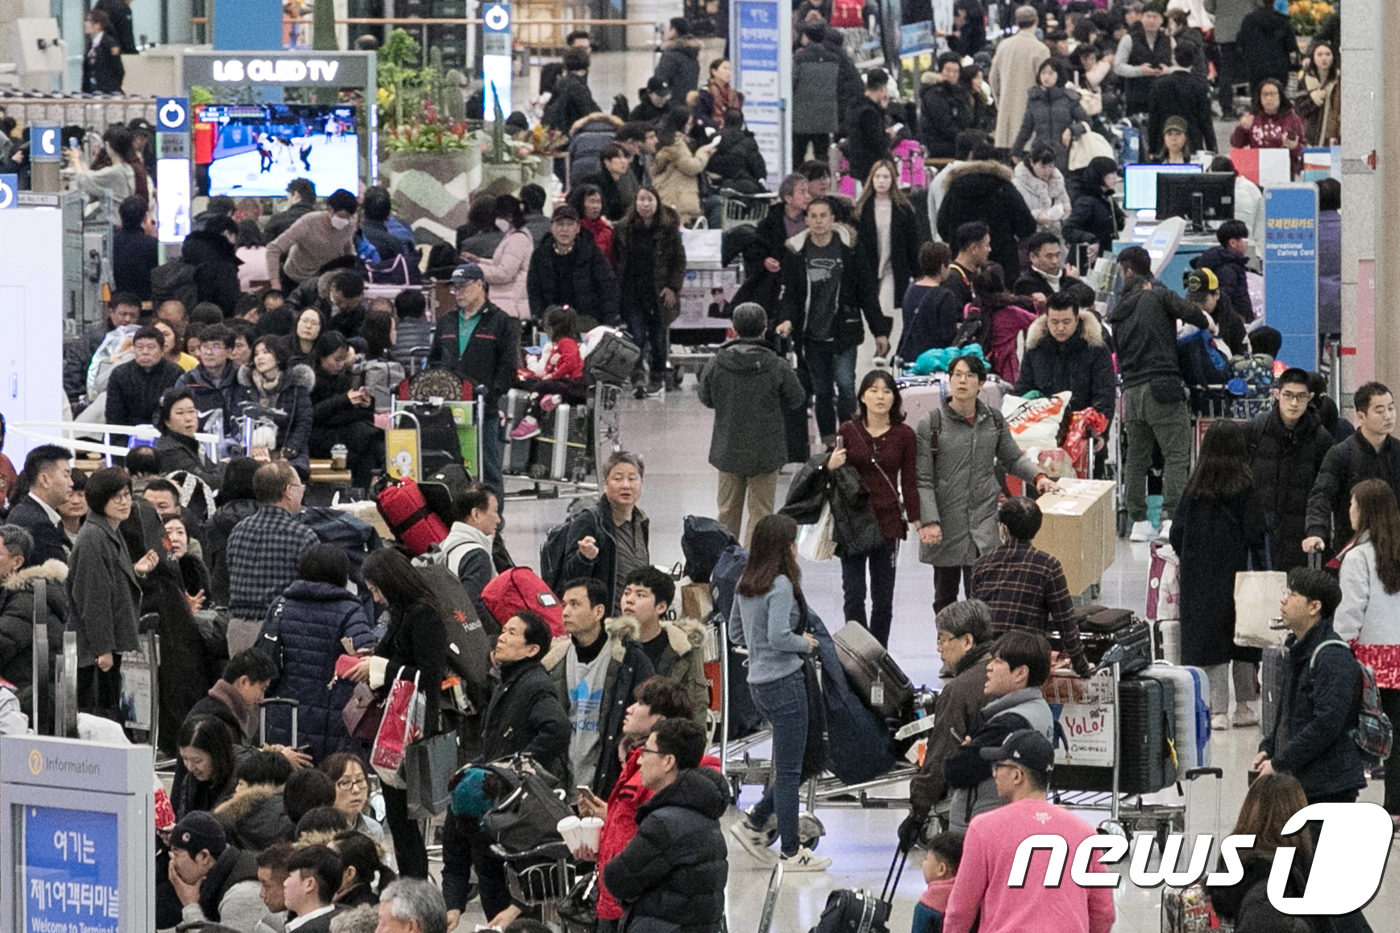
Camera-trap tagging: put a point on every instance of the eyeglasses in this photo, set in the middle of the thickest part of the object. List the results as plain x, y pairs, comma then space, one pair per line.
945, 637
122, 496
1295, 396
651, 751
350, 784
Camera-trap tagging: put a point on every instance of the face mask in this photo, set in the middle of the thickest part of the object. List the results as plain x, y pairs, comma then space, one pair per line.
340, 223
503, 225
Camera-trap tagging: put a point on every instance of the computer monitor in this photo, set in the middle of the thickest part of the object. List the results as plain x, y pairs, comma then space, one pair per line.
256, 150
1203, 198
1140, 183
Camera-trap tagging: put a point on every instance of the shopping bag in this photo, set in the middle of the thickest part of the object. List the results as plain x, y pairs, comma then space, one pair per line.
1257, 594
1086, 148
363, 714
404, 712
703, 246
1164, 584
428, 767
696, 601
818, 541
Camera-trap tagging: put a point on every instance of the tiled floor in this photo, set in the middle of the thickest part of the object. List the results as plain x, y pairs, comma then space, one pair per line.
672, 434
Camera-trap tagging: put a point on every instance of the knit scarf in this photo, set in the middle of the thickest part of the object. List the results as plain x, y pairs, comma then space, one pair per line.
267, 387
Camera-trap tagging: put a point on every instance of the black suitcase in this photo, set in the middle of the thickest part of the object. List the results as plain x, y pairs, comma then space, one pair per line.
867, 663
1101, 628
856, 910
516, 459
1273, 684
563, 448
1146, 726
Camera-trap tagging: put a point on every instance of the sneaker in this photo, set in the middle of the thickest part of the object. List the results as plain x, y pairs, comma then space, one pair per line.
550, 402
754, 841
804, 859
526, 429
656, 387
1164, 533
1220, 722
1245, 717
1142, 531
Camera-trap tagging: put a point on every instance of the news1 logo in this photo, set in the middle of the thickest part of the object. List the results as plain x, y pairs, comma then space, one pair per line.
1346, 870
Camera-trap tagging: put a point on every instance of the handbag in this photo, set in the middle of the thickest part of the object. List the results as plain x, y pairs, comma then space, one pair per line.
1086, 148
528, 817
818, 541
428, 767
579, 908
363, 714
1091, 102
814, 752
1256, 603
402, 724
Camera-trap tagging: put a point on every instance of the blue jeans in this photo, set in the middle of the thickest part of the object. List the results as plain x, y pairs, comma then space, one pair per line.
833, 378
650, 334
926, 919
783, 702
492, 449
882, 568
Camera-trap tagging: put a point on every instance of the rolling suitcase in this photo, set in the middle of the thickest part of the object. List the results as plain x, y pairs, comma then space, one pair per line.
1192, 712
1273, 685
516, 458
262, 718
1188, 909
856, 910
561, 449
873, 674
919, 395
1146, 711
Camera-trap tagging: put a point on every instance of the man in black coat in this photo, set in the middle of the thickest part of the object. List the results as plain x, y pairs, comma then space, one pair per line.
614, 164
1045, 276
571, 100
301, 200
1186, 95
480, 342
134, 251
945, 108
1370, 453
982, 190
1287, 445
213, 253
134, 389
48, 475
738, 161
1266, 44
679, 65
1230, 263
674, 870
867, 140
103, 71
119, 15
124, 308
569, 269
1065, 351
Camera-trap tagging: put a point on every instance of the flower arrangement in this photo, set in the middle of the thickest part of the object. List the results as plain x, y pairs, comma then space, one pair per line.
420, 109
1305, 15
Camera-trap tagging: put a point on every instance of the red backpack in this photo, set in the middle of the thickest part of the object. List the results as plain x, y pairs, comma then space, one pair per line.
521, 588
406, 512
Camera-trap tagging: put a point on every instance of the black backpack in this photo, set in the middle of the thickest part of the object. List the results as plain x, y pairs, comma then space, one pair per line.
176, 280
557, 544
857, 910
975, 327
270, 637
702, 542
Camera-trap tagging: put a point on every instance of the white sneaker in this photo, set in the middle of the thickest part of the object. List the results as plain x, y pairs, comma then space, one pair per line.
754, 841
804, 860
1220, 722
1165, 532
1142, 531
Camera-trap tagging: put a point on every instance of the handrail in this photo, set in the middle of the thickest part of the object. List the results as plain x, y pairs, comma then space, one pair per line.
449, 21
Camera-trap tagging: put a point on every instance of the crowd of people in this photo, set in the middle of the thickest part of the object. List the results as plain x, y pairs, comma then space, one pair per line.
261, 334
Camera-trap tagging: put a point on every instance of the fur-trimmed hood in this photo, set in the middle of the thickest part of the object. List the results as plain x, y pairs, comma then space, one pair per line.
598, 115
1089, 328
245, 800
51, 571
621, 630
980, 167
301, 375
799, 240
684, 44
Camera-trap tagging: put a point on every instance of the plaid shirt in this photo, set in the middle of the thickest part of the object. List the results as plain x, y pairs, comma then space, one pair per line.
264, 554
1026, 591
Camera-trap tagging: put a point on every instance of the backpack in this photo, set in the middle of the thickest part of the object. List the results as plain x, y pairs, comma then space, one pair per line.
176, 280
557, 545
609, 357
702, 543
195, 494
469, 644
521, 588
975, 327
270, 637
1373, 732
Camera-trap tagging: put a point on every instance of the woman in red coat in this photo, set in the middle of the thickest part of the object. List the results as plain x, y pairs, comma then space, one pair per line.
1272, 124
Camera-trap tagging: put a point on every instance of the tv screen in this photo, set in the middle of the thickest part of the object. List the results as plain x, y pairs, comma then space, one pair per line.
255, 151
1217, 190
1140, 183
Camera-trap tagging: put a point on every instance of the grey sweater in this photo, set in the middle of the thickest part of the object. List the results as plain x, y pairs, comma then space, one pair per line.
767, 626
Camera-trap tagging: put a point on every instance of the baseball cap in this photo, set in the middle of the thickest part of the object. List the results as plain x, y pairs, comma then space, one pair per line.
564, 212
1200, 281
199, 831
140, 125
657, 86
1174, 123
1025, 747
467, 272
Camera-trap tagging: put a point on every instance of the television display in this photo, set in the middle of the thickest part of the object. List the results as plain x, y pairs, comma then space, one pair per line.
1176, 196
1140, 183
255, 151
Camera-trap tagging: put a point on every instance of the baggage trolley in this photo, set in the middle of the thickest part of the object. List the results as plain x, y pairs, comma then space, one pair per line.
539, 877
605, 430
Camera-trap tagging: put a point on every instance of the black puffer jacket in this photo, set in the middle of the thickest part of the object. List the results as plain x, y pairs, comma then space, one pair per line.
738, 161
984, 191
289, 410
216, 262
17, 622
1081, 365
672, 874
679, 66
945, 111
1285, 462
1094, 218
524, 716
1231, 269
1345, 465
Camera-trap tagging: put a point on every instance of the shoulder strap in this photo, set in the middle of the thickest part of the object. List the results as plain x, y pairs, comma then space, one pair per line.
1331, 641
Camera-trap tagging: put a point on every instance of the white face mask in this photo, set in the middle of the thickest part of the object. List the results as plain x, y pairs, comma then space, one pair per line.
340, 223
503, 225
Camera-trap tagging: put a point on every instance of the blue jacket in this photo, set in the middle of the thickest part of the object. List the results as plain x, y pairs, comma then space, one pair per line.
316, 616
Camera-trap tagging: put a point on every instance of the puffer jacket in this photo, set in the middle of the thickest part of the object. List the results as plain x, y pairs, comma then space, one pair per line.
749, 387
973, 788
315, 617
1082, 365
507, 270
255, 817
525, 717
1043, 197
211, 394
216, 268
679, 66
984, 191
945, 111
675, 172
1285, 463
1232, 270
17, 622
1095, 218
668, 257
958, 488
290, 410
683, 660
1049, 112
672, 874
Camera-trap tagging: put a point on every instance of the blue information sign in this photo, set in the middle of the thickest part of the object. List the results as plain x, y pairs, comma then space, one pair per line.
172, 114
1290, 270
759, 35
9, 191
46, 144
71, 861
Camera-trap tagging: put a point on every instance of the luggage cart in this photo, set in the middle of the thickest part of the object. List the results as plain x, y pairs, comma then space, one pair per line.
540, 877
737, 208
605, 429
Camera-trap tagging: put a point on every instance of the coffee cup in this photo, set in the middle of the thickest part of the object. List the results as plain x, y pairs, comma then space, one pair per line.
592, 830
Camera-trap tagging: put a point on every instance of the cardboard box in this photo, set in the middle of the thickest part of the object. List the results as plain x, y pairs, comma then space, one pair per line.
1080, 528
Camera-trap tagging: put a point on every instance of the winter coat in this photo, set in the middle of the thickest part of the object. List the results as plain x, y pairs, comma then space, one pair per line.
103, 71
679, 66
570, 102
598, 523
415, 642
1368, 615
1095, 218
1231, 269
175, 452
506, 272
1268, 132
958, 488
945, 110
866, 139
1082, 365
1267, 46
1247, 904
984, 191
216, 536
958, 708
1049, 112
675, 172
824, 84
255, 817
1319, 103
668, 257
332, 411
904, 243
1285, 463
587, 139
467, 553
1033, 281
885, 465
133, 392
931, 319
713, 100
750, 389
290, 410
1042, 196
858, 294
315, 617
1345, 465
683, 660
972, 788
855, 526
492, 354
134, 254
1329, 272
17, 623
1213, 541
390, 238
104, 595
594, 289
1013, 73
1311, 738
216, 268
525, 717
628, 666
738, 161
1144, 330
1185, 95
212, 394
1009, 320
672, 875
